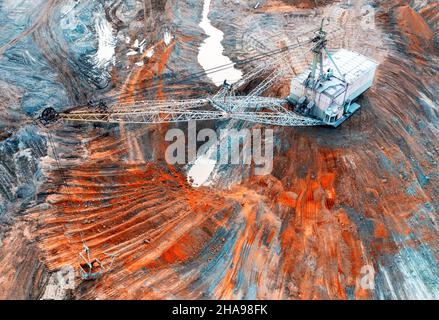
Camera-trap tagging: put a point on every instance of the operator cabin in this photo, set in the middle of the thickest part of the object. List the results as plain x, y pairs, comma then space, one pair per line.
331, 97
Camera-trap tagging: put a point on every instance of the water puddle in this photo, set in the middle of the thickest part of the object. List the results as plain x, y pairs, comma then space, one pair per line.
200, 171
210, 56
211, 50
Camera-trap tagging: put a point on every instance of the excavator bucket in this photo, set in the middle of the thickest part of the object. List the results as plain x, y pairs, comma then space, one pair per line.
92, 270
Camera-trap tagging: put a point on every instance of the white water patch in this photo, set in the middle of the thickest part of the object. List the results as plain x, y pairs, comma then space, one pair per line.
200, 171
107, 43
167, 38
210, 56
211, 50
150, 53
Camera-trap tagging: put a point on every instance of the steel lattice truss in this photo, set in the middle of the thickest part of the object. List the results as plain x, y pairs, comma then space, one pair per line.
247, 109
148, 116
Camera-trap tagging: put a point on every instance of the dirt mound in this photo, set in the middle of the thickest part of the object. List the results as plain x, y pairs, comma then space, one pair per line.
418, 33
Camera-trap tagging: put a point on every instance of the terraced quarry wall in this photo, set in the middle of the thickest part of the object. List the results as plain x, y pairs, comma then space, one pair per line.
336, 200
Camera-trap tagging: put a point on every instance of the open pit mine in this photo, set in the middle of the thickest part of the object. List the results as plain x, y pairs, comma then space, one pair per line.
219, 149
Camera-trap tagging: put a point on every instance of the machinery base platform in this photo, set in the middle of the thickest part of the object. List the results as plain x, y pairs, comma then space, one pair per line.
354, 107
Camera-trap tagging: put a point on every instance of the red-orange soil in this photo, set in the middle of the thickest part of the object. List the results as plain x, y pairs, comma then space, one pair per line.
336, 201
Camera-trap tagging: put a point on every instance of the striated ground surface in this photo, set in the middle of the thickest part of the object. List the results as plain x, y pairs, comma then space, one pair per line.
337, 200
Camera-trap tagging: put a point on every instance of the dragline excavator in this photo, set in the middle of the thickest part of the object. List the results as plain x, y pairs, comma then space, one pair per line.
322, 95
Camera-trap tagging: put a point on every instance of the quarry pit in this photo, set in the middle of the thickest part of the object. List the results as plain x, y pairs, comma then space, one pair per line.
336, 202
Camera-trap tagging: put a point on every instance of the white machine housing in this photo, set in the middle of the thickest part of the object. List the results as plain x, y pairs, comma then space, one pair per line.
332, 96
